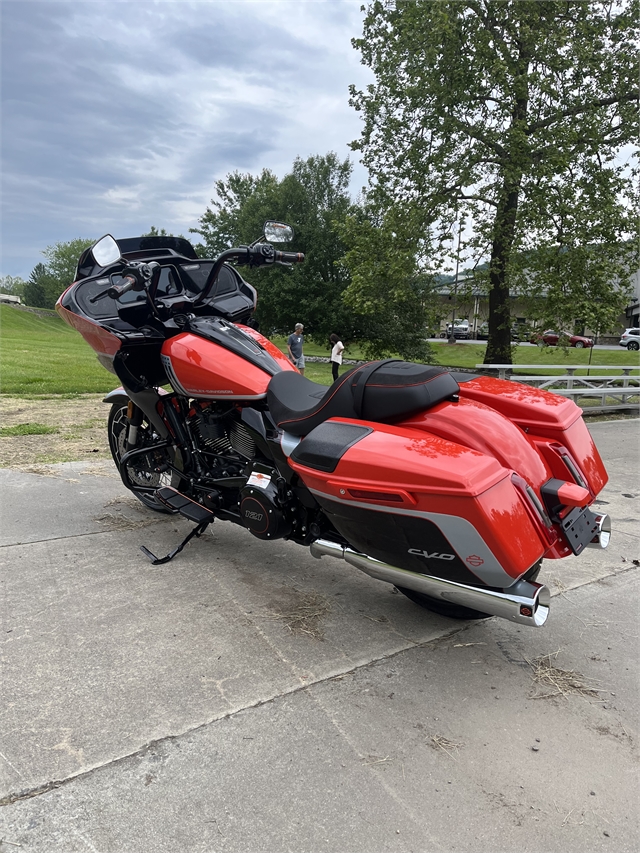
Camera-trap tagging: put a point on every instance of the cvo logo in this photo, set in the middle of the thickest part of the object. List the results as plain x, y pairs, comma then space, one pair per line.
434, 556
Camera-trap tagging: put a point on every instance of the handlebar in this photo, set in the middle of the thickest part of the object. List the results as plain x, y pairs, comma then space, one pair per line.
116, 290
289, 257
258, 254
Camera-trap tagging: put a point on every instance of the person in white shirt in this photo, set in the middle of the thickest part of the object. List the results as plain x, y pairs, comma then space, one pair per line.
336, 355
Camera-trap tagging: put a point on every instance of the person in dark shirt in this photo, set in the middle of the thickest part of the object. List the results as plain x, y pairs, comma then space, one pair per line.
295, 343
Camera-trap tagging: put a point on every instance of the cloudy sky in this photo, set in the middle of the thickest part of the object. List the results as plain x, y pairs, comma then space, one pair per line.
120, 114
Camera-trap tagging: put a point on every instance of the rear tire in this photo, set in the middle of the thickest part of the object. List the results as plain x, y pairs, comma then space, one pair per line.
633, 345
141, 471
457, 611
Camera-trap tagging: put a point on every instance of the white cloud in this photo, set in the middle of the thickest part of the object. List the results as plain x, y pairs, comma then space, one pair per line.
120, 115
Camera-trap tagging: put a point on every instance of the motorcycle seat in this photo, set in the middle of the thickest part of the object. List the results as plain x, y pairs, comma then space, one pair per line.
379, 391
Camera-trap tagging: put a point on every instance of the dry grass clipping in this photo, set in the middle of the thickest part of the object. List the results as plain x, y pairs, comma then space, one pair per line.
121, 522
561, 682
303, 616
446, 745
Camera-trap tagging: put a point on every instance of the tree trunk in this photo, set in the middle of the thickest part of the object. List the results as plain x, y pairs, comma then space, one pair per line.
499, 344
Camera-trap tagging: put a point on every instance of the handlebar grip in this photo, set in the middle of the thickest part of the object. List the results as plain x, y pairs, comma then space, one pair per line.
290, 257
118, 290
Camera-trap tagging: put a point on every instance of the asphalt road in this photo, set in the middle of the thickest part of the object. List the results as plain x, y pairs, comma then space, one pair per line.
247, 697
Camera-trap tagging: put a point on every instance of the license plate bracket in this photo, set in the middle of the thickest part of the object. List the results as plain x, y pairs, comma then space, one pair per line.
580, 527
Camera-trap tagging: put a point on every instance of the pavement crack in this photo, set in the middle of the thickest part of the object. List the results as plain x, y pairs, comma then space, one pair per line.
45, 788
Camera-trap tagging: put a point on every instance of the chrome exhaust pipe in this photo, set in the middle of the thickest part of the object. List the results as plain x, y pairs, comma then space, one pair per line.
524, 602
603, 532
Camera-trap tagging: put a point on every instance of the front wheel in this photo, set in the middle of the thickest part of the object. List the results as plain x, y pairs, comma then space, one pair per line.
142, 471
579, 345
458, 611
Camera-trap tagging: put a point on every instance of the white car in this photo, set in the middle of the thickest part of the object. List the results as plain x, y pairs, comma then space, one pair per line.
461, 329
630, 339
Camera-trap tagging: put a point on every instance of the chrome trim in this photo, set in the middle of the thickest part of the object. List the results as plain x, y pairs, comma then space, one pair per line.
171, 375
289, 442
523, 602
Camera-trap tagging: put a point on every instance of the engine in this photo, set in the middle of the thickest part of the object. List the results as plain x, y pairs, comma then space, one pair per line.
220, 431
261, 505
230, 450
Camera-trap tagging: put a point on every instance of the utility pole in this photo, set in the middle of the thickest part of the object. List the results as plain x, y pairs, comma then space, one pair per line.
452, 337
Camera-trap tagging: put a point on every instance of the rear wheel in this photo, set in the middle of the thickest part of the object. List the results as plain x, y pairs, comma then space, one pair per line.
634, 345
142, 471
457, 611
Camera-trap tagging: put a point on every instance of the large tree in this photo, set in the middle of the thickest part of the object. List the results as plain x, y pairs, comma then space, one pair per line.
510, 113
312, 198
47, 281
12, 284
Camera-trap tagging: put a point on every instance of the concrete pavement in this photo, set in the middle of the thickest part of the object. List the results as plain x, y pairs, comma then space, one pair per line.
248, 697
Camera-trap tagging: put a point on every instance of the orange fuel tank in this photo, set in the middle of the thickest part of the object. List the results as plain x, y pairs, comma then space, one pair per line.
222, 363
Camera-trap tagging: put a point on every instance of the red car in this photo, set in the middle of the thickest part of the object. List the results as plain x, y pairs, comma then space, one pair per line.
550, 338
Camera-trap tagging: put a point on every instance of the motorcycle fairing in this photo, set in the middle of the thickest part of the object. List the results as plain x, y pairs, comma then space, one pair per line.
101, 340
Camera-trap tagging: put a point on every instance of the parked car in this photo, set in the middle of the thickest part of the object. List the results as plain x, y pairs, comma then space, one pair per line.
551, 338
520, 332
461, 330
630, 339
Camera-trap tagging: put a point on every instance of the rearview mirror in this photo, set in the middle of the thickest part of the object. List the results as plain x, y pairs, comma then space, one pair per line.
106, 251
277, 232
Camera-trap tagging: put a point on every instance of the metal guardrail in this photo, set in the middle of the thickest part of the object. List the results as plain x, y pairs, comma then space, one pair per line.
618, 390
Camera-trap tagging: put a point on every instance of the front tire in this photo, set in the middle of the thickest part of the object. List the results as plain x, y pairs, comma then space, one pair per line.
579, 345
142, 470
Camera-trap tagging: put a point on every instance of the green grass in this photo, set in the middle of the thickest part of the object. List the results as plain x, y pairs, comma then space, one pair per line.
28, 429
468, 355
312, 348
41, 355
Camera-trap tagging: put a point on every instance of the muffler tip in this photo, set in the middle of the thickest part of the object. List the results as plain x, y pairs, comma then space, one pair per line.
537, 612
603, 532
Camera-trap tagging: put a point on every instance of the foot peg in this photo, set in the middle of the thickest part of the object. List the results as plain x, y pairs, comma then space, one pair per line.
185, 506
189, 509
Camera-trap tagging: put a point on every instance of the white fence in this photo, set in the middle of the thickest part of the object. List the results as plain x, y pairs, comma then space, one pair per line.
599, 391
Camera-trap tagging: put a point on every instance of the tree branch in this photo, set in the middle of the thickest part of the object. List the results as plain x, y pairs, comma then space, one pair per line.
581, 108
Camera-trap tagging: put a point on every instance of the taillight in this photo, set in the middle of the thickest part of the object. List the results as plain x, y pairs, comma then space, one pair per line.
570, 464
535, 509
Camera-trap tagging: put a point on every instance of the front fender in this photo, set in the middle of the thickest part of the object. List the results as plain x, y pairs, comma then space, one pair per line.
145, 400
118, 395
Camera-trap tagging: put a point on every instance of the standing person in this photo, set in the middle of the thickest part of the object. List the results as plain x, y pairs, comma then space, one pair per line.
336, 355
295, 343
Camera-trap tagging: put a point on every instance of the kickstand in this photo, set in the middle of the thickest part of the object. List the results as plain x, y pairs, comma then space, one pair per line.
198, 530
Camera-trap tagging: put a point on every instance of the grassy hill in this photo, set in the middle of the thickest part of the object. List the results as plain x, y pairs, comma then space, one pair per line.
40, 354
